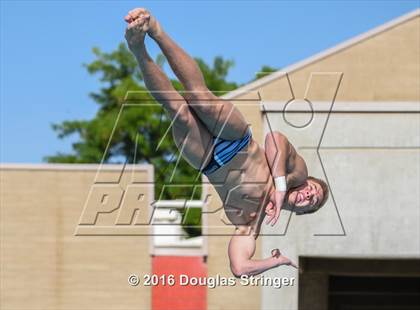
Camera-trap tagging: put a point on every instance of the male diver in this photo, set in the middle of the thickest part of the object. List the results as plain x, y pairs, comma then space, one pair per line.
210, 132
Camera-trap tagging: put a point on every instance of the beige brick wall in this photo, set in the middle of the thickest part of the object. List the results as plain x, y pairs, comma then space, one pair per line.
44, 265
385, 67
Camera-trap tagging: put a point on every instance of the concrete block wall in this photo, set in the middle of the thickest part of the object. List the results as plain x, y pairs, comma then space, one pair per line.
43, 264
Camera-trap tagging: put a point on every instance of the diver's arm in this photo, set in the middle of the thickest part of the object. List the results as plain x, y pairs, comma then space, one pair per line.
299, 174
277, 152
284, 160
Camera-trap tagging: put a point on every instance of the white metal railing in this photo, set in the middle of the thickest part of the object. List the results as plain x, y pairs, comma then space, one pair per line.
168, 234
178, 204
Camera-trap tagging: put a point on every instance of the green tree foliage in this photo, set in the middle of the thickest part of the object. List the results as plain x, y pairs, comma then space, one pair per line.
141, 124
265, 70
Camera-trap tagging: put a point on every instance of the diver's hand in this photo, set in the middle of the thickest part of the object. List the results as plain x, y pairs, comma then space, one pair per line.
135, 14
273, 208
151, 25
135, 32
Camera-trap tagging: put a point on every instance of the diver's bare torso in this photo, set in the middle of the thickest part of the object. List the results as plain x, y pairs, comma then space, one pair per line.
244, 185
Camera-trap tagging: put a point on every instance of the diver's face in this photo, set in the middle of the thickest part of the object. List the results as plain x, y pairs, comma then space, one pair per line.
308, 194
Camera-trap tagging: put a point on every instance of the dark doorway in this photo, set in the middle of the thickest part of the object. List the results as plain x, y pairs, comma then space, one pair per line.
359, 284
373, 293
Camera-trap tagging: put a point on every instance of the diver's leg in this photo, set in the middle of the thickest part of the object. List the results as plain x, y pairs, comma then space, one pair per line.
215, 113
190, 135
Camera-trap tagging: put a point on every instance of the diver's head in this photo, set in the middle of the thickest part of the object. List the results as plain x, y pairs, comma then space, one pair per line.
308, 197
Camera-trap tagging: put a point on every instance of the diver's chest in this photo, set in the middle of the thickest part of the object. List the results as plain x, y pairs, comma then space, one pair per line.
241, 191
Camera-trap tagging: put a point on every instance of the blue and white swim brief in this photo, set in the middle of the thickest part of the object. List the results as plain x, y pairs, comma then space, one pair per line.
225, 150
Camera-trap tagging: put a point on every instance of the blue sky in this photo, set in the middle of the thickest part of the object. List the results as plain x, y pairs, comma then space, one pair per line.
44, 44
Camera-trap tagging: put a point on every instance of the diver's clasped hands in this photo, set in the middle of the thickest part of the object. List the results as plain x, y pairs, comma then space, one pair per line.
140, 22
